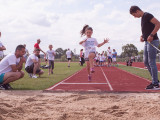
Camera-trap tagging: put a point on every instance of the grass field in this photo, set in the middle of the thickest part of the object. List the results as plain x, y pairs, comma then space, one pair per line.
61, 71
136, 71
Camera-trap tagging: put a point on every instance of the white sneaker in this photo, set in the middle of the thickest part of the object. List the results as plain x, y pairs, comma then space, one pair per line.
30, 75
34, 76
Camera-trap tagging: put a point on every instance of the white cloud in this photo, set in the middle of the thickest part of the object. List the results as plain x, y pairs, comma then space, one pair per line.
56, 22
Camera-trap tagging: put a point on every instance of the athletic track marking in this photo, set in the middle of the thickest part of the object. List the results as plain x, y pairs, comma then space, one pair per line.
136, 67
104, 79
107, 80
64, 80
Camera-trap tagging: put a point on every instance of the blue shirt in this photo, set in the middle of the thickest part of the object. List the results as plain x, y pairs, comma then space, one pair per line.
114, 54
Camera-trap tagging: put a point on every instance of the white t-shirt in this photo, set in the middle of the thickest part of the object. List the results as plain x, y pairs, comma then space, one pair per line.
90, 46
5, 64
103, 57
30, 59
26, 54
1, 52
50, 54
96, 57
68, 53
109, 53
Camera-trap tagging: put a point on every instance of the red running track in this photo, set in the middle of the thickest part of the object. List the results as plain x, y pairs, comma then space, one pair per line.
140, 65
110, 79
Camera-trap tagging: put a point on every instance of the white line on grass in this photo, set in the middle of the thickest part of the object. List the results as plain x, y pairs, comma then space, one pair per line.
85, 83
107, 80
134, 75
63, 80
137, 67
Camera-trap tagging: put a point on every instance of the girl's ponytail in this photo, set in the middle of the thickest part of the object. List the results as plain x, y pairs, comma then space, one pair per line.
82, 32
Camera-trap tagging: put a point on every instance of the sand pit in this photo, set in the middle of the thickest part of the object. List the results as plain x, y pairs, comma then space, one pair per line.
37, 105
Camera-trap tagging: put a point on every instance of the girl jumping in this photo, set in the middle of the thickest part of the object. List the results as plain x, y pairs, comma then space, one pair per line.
90, 44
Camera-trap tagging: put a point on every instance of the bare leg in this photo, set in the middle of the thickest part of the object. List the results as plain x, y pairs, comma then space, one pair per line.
41, 72
22, 74
12, 76
36, 66
69, 63
88, 68
91, 59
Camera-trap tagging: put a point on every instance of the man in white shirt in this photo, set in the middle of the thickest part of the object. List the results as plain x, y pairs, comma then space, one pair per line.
50, 54
109, 55
1, 49
26, 52
11, 66
69, 56
32, 65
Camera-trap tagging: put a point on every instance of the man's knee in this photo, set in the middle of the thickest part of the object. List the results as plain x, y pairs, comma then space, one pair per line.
41, 72
22, 74
36, 65
17, 75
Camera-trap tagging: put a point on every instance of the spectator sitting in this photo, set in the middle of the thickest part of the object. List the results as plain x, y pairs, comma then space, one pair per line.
33, 64
10, 68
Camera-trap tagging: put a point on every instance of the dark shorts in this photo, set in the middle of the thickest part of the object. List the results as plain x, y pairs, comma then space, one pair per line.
109, 58
1, 77
39, 56
69, 59
29, 69
51, 64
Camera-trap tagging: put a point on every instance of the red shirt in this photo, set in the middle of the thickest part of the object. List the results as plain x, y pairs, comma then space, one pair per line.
81, 53
37, 46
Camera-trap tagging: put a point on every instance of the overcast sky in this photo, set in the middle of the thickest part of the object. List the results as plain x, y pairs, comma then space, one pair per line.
59, 22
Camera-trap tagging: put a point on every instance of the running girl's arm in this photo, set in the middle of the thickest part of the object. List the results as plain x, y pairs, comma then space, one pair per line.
2, 48
82, 41
104, 42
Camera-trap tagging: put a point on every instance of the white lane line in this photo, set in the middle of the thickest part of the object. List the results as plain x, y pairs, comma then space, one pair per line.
134, 75
107, 80
84, 83
137, 67
63, 80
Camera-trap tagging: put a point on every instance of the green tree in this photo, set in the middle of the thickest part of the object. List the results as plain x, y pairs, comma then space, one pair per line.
129, 50
141, 53
59, 53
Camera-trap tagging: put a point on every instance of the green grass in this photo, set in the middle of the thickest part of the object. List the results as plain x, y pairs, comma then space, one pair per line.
61, 71
136, 71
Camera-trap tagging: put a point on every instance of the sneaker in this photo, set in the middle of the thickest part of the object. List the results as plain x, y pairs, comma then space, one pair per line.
51, 72
89, 78
34, 76
152, 86
30, 75
2, 87
7, 86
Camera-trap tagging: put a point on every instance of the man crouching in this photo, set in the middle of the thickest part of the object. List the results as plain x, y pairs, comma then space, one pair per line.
10, 68
32, 65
